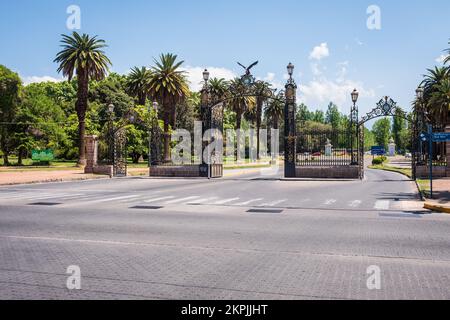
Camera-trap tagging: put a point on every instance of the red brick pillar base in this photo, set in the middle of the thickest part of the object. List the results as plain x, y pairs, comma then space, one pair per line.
91, 153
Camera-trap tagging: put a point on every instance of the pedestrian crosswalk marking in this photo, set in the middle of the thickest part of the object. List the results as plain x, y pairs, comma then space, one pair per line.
382, 205
226, 201
201, 201
181, 200
274, 203
158, 199
246, 203
113, 199
355, 203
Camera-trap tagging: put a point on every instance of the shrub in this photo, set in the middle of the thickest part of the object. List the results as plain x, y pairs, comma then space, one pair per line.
379, 160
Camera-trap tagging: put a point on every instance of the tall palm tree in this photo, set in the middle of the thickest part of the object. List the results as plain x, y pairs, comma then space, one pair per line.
169, 86
447, 60
82, 55
274, 111
440, 100
137, 84
239, 102
263, 92
218, 89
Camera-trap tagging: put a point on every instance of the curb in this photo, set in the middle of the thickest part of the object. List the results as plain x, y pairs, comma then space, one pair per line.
438, 208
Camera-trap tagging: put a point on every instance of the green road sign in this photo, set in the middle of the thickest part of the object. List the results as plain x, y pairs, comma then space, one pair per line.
42, 155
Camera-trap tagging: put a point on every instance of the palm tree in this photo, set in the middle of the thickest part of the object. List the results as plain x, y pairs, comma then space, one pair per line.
239, 103
440, 100
274, 110
447, 60
169, 86
82, 55
435, 86
263, 92
137, 84
218, 89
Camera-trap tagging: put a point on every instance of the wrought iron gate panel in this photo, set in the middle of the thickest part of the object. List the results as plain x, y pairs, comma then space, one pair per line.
120, 153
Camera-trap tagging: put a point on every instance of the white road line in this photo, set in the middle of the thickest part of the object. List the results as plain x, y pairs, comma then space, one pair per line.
355, 203
382, 205
158, 199
246, 203
273, 204
329, 202
111, 199
226, 201
181, 200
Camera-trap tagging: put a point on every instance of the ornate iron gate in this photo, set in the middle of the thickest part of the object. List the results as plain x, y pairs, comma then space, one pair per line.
386, 107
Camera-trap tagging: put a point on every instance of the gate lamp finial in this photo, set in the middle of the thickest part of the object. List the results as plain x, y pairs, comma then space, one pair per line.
206, 75
290, 69
419, 92
355, 95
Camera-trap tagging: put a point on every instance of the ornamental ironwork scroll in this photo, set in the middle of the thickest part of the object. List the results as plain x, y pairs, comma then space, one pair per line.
385, 107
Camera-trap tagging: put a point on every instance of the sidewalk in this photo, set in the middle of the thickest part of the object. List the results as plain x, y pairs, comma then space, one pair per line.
38, 176
441, 192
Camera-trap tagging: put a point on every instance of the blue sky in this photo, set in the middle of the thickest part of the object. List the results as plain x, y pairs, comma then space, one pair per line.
328, 41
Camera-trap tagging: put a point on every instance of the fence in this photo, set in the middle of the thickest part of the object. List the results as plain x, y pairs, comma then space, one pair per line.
325, 148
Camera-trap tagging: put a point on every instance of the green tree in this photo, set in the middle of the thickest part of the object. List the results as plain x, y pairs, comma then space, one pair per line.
82, 55
382, 132
319, 116
168, 85
10, 87
333, 116
40, 120
400, 132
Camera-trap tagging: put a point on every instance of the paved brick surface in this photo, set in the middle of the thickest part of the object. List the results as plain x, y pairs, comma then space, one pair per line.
315, 249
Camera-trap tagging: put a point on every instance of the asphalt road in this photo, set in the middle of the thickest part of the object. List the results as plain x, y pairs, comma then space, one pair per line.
142, 238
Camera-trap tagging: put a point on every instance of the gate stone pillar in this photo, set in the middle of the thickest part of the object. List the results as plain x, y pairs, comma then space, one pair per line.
290, 130
91, 153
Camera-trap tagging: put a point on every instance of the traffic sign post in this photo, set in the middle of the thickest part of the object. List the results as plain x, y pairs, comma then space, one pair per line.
430, 144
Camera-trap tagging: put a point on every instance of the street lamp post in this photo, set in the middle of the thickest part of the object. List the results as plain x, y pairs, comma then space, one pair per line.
424, 113
110, 112
353, 121
205, 109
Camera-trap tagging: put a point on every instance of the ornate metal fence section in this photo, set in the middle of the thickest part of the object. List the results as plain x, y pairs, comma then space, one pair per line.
323, 148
